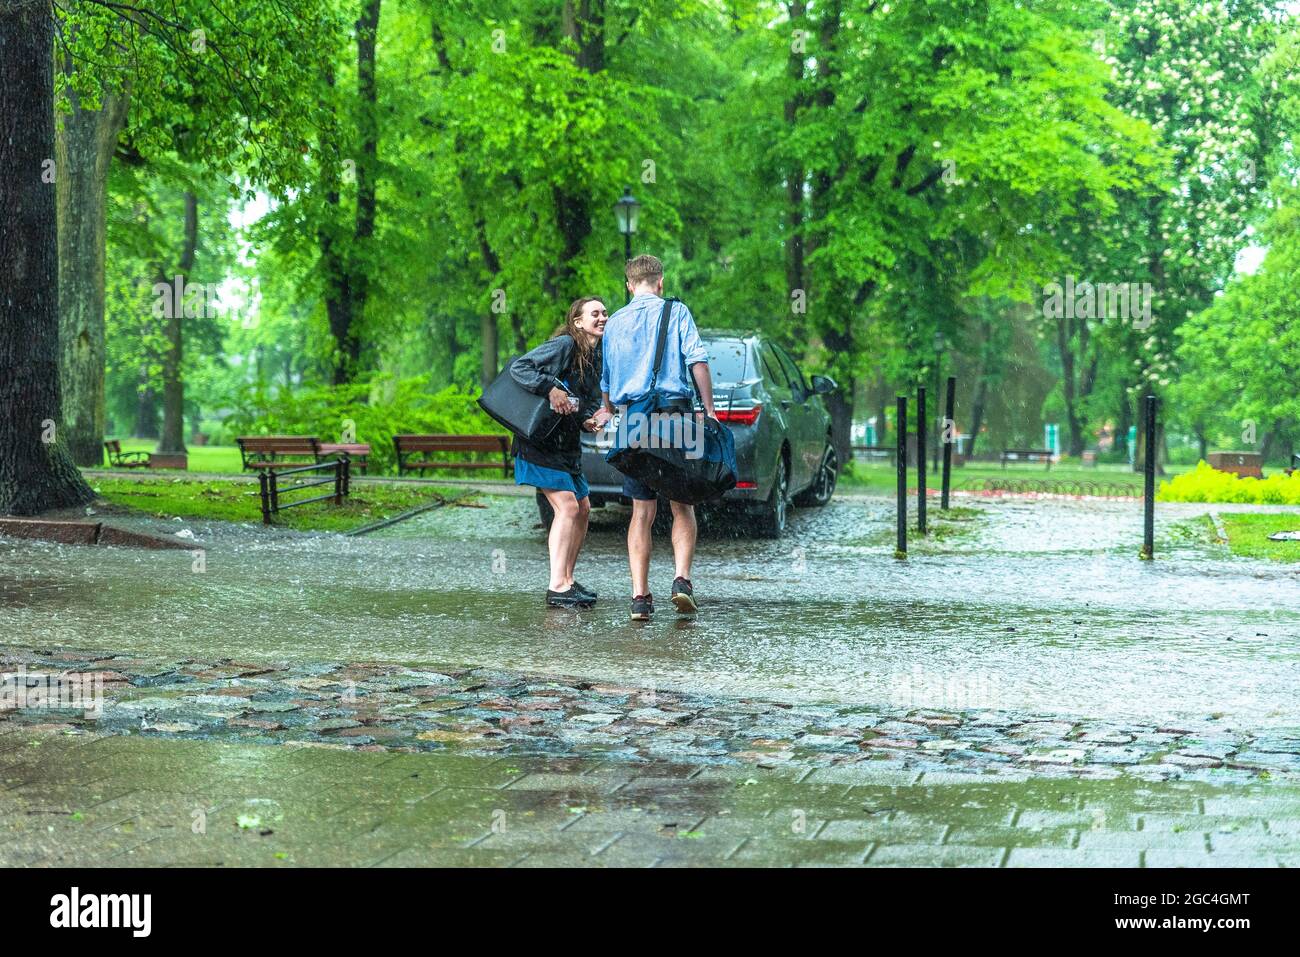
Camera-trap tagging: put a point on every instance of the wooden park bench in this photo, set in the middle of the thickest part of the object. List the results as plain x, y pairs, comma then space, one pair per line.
1028, 455
358, 452
124, 460
414, 451
270, 451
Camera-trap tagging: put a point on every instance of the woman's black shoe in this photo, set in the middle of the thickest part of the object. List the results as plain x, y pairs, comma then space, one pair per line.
578, 586
569, 598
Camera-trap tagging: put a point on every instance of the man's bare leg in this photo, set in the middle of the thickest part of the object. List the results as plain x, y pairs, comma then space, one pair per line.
638, 544
684, 535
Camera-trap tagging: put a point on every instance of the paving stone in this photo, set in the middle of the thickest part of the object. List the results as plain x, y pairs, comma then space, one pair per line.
1062, 837
1144, 840
921, 855
1062, 857
884, 832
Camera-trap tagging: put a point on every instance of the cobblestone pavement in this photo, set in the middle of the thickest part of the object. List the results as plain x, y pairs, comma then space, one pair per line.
388, 707
223, 763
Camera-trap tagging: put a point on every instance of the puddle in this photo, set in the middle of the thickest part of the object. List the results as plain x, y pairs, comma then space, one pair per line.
1043, 607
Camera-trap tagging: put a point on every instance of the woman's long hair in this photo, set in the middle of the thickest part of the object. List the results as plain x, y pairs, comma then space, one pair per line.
585, 357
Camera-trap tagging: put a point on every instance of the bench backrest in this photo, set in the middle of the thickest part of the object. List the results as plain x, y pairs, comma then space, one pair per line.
450, 443
279, 444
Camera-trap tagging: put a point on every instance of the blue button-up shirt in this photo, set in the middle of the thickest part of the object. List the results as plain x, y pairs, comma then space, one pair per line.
628, 350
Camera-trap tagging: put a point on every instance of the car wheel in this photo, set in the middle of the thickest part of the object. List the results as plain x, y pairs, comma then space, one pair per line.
771, 520
544, 511
823, 486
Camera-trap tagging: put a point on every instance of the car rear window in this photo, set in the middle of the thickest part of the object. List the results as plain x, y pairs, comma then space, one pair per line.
727, 360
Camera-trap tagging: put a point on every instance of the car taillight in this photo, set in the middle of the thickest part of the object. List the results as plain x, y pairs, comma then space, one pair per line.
744, 485
740, 416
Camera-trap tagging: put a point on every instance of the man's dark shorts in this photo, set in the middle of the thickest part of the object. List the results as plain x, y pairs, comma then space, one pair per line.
636, 489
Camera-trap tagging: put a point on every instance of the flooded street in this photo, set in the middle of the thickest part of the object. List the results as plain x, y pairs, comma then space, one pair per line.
1034, 606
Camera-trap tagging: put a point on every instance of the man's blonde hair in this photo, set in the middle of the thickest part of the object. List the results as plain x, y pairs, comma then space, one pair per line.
641, 269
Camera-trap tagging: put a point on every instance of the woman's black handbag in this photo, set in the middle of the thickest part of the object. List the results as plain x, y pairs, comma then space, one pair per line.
527, 415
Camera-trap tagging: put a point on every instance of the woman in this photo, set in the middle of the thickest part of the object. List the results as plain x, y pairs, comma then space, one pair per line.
565, 369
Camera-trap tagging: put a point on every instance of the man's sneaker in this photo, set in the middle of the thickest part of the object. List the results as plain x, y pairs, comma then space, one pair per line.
579, 587
684, 596
643, 606
569, 598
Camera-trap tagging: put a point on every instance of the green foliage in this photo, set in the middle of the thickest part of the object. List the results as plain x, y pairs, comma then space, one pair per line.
1205, 484
933, 163
371, 412
1248, 535
229, 501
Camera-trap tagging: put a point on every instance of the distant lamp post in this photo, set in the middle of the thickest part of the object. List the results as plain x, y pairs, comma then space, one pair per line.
626, 211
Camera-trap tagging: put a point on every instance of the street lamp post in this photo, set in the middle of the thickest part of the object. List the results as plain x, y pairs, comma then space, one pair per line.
625, 213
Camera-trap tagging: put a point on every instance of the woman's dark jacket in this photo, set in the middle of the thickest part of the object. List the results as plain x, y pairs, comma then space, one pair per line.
552, 364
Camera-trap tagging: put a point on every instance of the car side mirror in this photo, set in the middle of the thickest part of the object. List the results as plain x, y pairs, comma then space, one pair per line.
823, 385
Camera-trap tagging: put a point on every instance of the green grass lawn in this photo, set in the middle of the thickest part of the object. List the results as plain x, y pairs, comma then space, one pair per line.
1248, 535
880, 476
238, 502
225, 459
202, 458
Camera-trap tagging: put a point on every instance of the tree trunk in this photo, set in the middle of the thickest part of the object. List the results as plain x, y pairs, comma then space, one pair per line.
1065, 350
84, 146
367, 168
36, 470
491, 346
173, 430
1124, 424
346, 269
146, 410
977, 415
796, 175
840, 402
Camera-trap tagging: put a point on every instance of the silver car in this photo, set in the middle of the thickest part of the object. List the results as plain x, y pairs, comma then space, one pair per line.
781, 426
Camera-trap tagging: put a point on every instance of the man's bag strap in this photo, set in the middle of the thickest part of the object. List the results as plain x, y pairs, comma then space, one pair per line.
661, 341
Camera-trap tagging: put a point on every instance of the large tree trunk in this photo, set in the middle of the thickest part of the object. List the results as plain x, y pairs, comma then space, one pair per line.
367, 167
795, 175
346, 269
84, 145
173, 430
36, 469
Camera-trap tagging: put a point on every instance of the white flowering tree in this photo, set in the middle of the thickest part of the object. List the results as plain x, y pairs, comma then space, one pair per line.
1188, 68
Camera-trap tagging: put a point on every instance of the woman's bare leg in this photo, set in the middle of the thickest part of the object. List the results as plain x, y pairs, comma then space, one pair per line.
564, 529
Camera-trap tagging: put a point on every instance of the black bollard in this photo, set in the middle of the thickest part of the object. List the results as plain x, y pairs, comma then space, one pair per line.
922, 450
948, 437
1149, 482
900, 460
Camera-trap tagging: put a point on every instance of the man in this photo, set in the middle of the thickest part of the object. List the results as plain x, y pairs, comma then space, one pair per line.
629, 349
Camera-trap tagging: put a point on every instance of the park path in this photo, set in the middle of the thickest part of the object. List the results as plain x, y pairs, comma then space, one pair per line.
1036, 606
1021, 691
